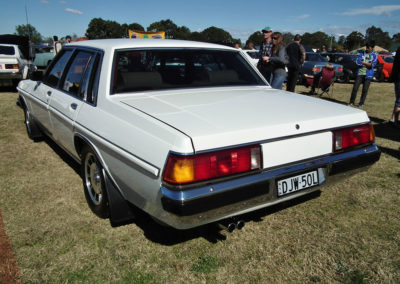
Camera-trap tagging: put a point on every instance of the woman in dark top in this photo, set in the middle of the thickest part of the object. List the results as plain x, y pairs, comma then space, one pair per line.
278, 61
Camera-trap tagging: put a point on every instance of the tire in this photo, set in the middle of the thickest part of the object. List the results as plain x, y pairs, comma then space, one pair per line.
32, 129
93, 183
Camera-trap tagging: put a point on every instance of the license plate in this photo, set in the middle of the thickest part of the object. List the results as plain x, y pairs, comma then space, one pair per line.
296, 183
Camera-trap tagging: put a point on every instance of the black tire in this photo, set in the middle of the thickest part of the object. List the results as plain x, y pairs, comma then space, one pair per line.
32, 129
93, 183
344, 78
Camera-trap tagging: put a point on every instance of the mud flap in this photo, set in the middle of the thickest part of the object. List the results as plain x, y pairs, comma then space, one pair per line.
121, 212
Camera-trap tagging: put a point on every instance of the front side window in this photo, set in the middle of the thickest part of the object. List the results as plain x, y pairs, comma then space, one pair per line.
55, 73
138, 70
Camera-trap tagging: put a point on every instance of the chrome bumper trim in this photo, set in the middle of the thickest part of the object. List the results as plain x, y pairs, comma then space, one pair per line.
206, 204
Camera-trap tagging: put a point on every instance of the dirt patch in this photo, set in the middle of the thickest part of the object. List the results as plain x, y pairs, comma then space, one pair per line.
9, 272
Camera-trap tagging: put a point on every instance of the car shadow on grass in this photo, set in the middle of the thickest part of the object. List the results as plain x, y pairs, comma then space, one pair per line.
168, 236
214, 232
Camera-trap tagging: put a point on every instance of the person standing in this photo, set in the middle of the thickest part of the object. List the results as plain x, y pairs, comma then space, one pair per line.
278, 61
366, 62
67, 39
56, 45
395, 78
297, 56
265, 52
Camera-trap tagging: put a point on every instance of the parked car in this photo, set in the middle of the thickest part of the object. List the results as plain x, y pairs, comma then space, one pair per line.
253, 55
314, 63
13, 65
350, 67
188, 132
43, 56
383, 68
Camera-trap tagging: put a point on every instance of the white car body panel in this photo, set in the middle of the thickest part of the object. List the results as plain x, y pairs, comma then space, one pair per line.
133, 133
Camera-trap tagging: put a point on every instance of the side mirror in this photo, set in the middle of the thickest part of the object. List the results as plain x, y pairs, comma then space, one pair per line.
37, 75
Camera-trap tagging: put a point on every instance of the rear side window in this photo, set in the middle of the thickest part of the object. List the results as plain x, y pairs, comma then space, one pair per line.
54, 74
7, 50
76, 76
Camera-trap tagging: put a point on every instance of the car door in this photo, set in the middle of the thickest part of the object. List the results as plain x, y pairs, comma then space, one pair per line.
67, 100
43, 91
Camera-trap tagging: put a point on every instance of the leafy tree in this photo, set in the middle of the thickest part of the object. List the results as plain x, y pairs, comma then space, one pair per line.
30, 32
182, 33
256, 38
396, 38
342, 40
354, 40
99, 28
381, 38
196, 36
217, 35
287, 38
316, 40
167, 26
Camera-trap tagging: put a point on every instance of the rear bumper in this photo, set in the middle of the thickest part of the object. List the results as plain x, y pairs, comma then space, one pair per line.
10, 75
206, 204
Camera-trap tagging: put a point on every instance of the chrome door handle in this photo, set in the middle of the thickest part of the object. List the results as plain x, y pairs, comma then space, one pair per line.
74, 106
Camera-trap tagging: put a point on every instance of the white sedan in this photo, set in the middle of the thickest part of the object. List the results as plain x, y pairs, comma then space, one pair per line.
13, 65
188, 132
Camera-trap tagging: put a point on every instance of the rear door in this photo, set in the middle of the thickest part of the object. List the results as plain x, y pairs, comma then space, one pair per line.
67, 100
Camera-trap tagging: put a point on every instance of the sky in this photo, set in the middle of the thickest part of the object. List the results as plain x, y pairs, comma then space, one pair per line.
238, 17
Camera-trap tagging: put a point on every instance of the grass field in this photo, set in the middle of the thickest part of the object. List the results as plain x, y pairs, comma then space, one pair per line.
350, 233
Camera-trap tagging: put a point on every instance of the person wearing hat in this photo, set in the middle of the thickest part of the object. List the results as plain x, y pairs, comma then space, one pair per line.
366, 62
297, 56
263, 64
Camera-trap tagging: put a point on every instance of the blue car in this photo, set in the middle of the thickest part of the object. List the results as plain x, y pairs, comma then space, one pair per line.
43, 56
314, 63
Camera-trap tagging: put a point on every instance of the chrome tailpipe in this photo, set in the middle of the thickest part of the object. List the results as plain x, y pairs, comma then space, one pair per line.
240, 224
231, 225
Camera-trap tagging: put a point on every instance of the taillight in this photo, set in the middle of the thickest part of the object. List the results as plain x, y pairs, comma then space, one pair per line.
12, 66
188, 169
316, 69
340, 69
353, 136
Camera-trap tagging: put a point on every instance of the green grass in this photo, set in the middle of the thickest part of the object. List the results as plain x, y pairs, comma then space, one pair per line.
349, 234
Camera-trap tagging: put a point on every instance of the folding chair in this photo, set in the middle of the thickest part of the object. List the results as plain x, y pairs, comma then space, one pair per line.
323, 81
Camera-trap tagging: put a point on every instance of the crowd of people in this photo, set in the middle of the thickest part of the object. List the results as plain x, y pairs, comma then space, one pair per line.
274, 57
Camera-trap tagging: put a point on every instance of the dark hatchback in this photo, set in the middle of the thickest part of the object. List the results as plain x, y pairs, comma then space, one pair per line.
349, 65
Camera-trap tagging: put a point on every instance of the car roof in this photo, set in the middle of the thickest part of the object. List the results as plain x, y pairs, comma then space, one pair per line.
110, 44
6, 44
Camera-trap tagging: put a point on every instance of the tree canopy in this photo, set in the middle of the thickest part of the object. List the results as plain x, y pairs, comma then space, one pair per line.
99, 28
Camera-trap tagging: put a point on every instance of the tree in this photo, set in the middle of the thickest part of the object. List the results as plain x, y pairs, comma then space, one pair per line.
354, 40
396, 38
256, 38
217, 35
99, 28
287, 38
316, 40
196, 36
30, 32
380, 37
133, 27
167, 26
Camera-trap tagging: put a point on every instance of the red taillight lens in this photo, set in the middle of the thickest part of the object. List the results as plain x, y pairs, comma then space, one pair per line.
316, 69
11, 66
340, 69
353, 136
194, 168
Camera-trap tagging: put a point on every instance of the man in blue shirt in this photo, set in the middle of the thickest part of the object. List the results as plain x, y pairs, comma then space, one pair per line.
366, 62
263, 66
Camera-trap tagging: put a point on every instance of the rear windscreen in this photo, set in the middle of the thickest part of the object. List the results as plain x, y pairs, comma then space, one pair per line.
137, 70
7, 50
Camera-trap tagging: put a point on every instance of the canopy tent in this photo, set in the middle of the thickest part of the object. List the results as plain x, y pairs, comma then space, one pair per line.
376, 49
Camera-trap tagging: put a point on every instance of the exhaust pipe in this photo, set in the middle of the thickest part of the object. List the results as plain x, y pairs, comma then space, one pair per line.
240, 224
229, 227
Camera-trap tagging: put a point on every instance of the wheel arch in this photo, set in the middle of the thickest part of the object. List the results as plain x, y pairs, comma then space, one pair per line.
120, 210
